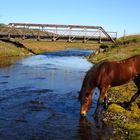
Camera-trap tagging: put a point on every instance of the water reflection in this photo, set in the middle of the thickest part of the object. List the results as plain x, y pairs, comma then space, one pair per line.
93, 129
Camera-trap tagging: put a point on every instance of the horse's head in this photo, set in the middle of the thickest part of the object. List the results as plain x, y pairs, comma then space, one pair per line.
85, 95
85, 98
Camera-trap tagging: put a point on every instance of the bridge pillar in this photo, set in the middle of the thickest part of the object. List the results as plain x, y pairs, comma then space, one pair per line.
69, 40
9, 36
23, 37
53, 39
84, 41
100, 37
38, 38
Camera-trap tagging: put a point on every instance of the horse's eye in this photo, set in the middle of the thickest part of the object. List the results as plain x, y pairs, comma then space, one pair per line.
87, 94
86, 101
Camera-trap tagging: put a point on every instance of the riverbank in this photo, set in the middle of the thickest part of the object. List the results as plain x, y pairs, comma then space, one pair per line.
9, 53
126, 48
126, 123
8, 50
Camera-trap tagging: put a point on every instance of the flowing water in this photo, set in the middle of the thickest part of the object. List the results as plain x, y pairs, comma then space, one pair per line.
39, 99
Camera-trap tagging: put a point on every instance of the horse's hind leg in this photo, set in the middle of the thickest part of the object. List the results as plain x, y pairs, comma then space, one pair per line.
137, 83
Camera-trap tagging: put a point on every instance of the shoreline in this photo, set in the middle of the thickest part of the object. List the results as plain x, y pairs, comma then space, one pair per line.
23, 48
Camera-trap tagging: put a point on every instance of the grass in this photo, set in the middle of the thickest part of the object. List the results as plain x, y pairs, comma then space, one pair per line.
121, 52
8, 53
126, 123
43, 46
9, 50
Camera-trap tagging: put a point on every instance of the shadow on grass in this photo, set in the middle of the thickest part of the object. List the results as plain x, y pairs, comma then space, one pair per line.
18, 45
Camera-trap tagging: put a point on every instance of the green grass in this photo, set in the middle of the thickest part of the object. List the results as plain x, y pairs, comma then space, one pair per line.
129, 39
9, 50
126, 123
124, 50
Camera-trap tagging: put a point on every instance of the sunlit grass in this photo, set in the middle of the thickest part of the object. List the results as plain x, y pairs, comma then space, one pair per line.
43, 46
121, 52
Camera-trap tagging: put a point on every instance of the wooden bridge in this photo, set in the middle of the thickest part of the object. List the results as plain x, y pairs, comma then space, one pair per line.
56, 32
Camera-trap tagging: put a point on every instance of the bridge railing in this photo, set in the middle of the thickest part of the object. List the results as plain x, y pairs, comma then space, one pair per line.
58, 32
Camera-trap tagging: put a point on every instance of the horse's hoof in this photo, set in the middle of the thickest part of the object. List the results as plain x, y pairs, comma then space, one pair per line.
105, 107
95, 116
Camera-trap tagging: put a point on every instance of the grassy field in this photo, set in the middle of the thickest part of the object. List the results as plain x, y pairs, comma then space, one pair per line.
43, 46
8, 51
126, 123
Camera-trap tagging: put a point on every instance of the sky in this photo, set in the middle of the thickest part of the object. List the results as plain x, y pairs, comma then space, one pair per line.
112, 15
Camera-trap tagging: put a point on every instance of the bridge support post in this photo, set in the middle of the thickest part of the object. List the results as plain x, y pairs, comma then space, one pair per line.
69, 39
84, 41
23, 33
100, 36
53, 38
54, 35
9, 36
38, 35
23, 36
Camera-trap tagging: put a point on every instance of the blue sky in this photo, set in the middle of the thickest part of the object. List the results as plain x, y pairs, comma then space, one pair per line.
112, 15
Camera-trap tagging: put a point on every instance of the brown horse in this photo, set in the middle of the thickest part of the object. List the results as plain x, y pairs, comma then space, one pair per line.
106, 74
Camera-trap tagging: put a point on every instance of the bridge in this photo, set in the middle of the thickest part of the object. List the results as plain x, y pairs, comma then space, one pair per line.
57, 32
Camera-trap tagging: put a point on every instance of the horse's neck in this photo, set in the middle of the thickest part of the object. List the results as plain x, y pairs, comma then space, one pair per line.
89, 81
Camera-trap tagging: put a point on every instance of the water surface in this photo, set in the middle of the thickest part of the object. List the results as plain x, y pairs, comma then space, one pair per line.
39, 99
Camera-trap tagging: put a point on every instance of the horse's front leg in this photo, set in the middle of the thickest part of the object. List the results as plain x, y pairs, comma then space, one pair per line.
105, 102
103, 97
102, 100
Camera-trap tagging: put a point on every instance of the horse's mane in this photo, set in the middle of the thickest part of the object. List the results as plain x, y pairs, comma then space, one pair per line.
129, 58
99, 63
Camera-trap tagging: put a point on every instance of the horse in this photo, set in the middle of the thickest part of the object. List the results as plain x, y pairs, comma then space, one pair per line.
106, 74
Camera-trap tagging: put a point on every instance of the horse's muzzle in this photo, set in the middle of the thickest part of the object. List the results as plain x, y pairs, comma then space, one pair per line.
83, 114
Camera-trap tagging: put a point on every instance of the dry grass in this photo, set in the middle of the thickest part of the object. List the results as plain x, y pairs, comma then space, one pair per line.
44, 46
8, 50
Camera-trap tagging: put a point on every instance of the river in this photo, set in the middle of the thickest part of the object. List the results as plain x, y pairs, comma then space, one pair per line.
39, 99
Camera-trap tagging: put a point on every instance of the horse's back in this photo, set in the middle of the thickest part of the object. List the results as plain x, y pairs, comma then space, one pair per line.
114, 72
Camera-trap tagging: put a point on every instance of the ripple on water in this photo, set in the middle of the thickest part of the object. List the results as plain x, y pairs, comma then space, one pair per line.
39, 98
3, 83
